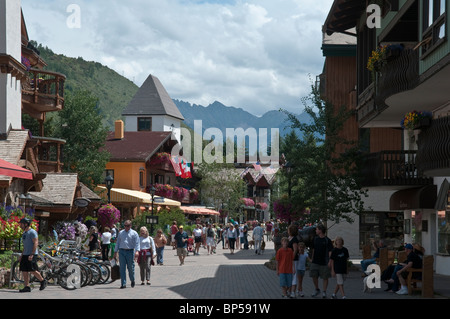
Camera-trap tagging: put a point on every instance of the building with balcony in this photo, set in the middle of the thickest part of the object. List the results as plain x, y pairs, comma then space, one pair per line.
25, 88
408, 73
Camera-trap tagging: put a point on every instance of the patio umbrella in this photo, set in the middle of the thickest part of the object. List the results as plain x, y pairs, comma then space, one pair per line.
9, 169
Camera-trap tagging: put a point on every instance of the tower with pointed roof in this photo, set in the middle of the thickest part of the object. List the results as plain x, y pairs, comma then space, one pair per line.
152, 109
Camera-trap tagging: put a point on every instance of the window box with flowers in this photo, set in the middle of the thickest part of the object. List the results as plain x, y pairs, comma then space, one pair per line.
416, 120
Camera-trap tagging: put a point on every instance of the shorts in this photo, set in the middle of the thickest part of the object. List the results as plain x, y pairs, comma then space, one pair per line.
300, 272
198, 239
322, 271
28, 266
210, 241
340, 278
285, 280
181, 252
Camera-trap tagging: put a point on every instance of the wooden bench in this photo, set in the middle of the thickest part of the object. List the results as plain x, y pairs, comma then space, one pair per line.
386, 258
426, 284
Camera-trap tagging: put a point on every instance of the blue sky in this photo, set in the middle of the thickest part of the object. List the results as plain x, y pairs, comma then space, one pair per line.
258, 55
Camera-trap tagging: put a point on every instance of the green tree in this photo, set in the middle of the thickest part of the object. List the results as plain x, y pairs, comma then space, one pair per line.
221, 187
80, 124
325, 180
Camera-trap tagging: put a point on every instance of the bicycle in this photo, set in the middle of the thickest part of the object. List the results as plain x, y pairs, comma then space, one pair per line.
62, 271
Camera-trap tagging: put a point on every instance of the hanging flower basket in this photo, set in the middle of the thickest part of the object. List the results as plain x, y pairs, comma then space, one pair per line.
416, 120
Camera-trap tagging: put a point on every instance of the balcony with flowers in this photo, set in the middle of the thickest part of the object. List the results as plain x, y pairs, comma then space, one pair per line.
180, 194
161, 161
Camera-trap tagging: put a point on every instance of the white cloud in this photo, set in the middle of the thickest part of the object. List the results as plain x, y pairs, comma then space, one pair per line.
254, 54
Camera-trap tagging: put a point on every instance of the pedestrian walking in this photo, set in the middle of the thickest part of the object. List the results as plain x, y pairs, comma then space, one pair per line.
293, 244
258, 236
173, 231
338, 264
28, 259
181, 238
232, 236
285, 262
106, 242
301, 267
321, 251
211, 239
146, 254
127, 248
197, 232
160, 243
93, 239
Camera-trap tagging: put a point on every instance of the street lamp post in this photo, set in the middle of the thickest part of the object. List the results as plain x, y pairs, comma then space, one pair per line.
109, 181
152, 192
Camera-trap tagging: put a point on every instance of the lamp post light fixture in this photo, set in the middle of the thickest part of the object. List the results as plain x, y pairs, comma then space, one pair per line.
152, 220
109, 182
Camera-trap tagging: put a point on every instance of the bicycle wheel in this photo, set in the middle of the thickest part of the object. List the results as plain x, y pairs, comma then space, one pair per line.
105, 272
96, 272
17, 275
86, 274
69, 277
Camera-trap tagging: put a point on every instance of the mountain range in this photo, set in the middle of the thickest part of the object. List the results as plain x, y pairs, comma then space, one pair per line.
114, 92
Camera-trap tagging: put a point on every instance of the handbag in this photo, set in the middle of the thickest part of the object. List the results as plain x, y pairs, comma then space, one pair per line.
115, 270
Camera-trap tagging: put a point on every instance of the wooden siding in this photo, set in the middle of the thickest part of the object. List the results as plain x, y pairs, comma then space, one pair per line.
340, 90
385, 139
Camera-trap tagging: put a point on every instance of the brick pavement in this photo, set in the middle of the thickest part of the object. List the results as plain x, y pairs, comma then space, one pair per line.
219, 276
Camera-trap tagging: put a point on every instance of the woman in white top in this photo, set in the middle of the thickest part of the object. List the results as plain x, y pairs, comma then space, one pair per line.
146, 254
232, 236
106, 241
197, 238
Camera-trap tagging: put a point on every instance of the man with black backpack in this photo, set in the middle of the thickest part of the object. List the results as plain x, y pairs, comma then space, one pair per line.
211, 239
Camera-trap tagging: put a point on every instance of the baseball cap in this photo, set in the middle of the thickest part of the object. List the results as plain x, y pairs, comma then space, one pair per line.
408, 246
181, 226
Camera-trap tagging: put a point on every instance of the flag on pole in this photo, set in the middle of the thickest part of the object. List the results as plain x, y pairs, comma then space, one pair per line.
176, 165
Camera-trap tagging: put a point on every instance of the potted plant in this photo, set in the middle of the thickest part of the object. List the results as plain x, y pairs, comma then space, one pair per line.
416, 120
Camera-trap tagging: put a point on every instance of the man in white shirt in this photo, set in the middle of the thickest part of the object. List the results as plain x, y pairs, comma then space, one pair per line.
258, 233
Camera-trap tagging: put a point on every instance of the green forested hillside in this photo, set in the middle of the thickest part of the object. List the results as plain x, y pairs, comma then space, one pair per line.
113, 90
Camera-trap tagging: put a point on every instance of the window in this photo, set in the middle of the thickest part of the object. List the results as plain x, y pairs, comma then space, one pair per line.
433, 24
141, 177
144, 124
107, 172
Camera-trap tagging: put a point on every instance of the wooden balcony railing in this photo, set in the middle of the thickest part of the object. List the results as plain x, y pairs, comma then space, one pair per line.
393, 168
44, 91
49, 154
433, 155
401, 73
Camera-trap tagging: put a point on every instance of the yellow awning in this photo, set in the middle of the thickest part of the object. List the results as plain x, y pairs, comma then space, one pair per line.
122, 195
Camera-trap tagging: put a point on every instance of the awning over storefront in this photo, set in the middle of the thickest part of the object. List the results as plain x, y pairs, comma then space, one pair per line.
414, 198
198, 210
122, 195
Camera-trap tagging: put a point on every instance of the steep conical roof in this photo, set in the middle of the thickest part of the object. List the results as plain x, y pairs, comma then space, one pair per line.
152, 99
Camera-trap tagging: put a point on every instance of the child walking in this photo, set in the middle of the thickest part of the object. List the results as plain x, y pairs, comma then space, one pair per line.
338, 264
301, 267
285, 264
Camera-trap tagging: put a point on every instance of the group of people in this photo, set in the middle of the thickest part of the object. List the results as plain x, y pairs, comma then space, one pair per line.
132, 247
326, 260
395, 274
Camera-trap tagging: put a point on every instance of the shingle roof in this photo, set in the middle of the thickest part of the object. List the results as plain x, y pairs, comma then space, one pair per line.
59, 188
12, 148
152, 99
136, 146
